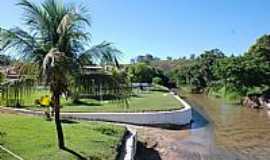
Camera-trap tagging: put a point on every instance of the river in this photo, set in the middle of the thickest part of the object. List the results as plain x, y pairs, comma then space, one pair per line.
219, 131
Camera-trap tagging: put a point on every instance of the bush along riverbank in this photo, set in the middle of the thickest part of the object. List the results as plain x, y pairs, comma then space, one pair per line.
244, 78
227, 94
258, 98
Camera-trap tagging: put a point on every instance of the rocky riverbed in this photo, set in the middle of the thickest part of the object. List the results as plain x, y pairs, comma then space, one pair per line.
257, 101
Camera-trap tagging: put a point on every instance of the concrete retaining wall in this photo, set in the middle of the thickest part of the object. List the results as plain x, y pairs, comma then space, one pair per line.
130, 146
177, 117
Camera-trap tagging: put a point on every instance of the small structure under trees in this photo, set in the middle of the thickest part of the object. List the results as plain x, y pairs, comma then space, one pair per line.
54, 40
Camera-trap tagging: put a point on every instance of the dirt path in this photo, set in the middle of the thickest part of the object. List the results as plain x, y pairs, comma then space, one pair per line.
159, 144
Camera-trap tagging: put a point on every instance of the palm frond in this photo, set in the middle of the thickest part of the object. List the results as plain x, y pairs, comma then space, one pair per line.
35, 17
105, 54
17, 39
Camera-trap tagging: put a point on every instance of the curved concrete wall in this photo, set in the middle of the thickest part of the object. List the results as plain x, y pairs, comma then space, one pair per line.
177, 117
130, 145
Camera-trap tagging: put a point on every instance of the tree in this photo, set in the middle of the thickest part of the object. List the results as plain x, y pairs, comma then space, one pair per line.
141, 73
257, 62
147, 58
206, 63
169, 58
104, 53
230, 71
248, 71
140, 59
192, 56
55, 40
132, 61
199, 72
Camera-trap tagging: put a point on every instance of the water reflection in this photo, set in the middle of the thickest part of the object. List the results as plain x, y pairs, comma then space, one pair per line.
226, 131
198, 120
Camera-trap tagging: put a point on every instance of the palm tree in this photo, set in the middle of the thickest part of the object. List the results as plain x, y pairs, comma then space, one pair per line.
56, 39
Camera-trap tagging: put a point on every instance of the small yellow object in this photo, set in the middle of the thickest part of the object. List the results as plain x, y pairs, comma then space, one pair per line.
45, 101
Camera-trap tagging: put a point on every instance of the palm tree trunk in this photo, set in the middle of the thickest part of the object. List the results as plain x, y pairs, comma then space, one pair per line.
60, 134
52, 107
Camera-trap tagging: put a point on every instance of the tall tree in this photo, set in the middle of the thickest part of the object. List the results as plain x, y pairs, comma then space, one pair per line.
141, 73
55, 39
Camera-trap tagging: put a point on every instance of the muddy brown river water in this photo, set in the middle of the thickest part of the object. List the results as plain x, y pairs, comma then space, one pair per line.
220, 131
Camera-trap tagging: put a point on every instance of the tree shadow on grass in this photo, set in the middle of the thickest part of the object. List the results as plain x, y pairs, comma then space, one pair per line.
136, 96
79, 156
67, 121
83, 103
144, 153
160, 90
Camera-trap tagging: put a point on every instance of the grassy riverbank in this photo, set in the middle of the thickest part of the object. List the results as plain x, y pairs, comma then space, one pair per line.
35, 138
141, 101
226, 94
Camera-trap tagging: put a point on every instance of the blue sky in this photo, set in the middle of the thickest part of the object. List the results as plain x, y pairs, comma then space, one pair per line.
164, 28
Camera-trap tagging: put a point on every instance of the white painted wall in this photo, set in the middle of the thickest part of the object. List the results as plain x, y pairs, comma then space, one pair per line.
130, 145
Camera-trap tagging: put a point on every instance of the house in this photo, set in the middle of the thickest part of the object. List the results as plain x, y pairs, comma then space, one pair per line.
9, 72
95, 69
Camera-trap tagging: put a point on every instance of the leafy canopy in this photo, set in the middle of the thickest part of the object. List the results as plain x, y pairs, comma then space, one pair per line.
55, 39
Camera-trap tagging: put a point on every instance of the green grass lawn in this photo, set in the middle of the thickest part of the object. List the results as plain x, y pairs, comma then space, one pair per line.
34, 138
142, 102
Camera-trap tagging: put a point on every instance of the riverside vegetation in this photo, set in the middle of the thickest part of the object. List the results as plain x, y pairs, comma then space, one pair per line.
212, 72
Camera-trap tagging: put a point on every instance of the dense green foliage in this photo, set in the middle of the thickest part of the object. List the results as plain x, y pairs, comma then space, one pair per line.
141, 72
144, 73
213, 72
249, 73
199, 73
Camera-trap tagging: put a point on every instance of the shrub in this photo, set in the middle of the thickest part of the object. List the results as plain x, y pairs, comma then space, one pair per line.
157, 80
